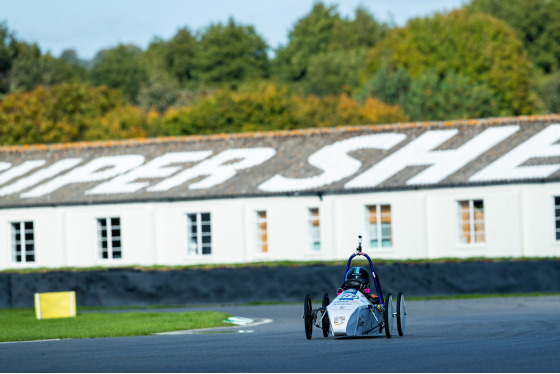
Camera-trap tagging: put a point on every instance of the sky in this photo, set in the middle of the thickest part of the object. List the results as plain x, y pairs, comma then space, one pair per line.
89, 26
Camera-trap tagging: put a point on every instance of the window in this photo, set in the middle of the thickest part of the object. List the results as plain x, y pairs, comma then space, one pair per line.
262, 236
314, 229
557, 216
23, 242
109, 238
378, 226
471, 221
199, 234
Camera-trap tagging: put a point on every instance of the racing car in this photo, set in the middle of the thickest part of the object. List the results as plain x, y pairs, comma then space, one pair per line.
355, 311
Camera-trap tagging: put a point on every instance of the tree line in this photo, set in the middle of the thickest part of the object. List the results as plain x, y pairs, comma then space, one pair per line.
487, 58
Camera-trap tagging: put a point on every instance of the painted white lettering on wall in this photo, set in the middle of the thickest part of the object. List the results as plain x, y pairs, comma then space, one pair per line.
40, 176
218, 169
96, 170
420, 152
127, 174
508, 167
334, 161
157, 168
20, 170
4, 165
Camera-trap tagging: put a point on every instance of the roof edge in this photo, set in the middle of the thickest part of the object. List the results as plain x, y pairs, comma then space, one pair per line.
276, 133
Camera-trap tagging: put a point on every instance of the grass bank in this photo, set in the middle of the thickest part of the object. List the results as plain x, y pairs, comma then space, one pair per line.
273, 264
21, 324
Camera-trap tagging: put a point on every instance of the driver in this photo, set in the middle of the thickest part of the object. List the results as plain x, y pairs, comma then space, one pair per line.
358, 279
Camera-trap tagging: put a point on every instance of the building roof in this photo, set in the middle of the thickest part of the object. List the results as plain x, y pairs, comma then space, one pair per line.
312, 161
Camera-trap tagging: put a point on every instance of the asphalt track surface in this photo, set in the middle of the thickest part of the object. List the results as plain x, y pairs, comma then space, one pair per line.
479, 335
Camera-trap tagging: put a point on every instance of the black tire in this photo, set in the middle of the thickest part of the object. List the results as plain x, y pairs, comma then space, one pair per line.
326, 322
401, 314
388, 315
308, 316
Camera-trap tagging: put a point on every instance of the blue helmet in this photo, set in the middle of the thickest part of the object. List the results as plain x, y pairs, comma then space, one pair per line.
357, 277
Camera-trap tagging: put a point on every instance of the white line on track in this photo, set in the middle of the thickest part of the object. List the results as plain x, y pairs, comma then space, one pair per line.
244, 325
31, 341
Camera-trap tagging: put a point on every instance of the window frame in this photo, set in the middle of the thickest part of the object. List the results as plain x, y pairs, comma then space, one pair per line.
379, 237
261, 226
110, 238
556, 215
472, 223
23, 242
314, 229
200, 234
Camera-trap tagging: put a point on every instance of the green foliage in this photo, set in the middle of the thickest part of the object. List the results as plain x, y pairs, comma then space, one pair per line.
23, 66
361, 32
159, 93
121, 68
433, 96
334, 72
549, 92
31, 68
230, 54
473, 62
310, 36
68, 112
491, 55
325, 52
449, 97
272, 107
6, 57
227, 111
390, 86
179, 55
536, 23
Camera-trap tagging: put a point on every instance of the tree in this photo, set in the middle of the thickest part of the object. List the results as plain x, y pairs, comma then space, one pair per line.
230, 54
390, 86
326, 52
68, 112
537, 25
478, 47
30, 68
361, 32
6, 56
179, 55
334, 72
159, 93
272, 107
311, 35
77, 66
121, 68
549, 92
447, 97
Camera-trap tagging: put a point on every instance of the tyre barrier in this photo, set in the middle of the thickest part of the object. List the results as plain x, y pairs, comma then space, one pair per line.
130, 287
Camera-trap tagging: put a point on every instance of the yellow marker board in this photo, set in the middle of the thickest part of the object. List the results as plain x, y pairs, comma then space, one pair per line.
55, 305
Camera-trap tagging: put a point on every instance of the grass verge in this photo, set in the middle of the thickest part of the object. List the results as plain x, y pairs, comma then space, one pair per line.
272, 264
21, 324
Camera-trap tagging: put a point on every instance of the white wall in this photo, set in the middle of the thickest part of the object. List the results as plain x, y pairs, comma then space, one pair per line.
48, 235
537, 202
519, 221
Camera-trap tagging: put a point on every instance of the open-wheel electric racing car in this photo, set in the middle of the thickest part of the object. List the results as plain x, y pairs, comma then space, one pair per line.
355, 311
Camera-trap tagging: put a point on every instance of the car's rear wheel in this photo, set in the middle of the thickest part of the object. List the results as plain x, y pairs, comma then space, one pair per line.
388, 315
401, 314
308, 316
326, 322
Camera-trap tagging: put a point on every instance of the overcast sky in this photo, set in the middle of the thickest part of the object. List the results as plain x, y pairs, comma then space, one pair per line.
91, 25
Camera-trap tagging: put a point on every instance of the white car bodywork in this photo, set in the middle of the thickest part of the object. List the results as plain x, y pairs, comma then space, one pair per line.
352, 314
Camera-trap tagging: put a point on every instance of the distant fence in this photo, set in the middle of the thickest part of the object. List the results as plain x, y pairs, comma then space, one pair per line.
128, 287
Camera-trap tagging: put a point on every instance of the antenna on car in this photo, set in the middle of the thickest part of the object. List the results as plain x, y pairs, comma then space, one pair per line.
359, 249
